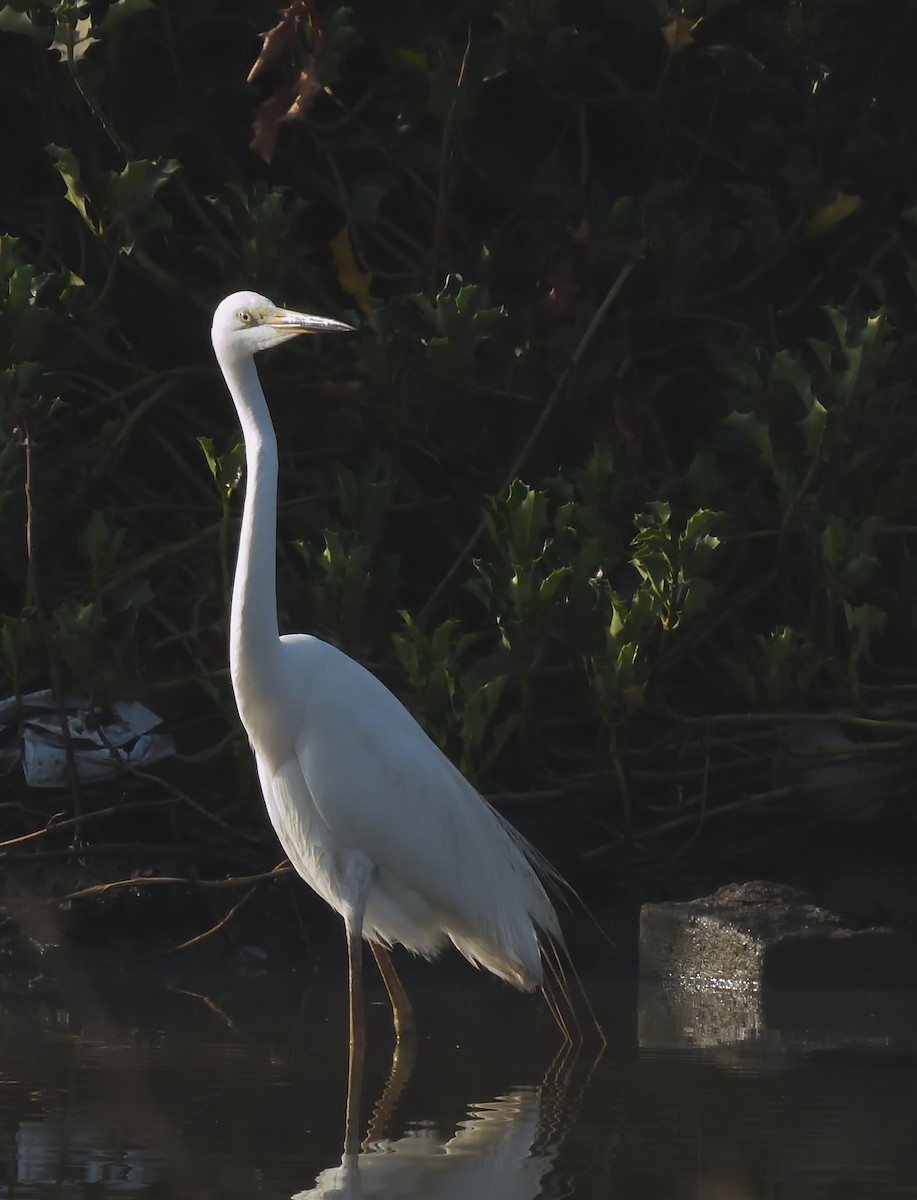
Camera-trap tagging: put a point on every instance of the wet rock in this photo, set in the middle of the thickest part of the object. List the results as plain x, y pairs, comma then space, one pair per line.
672, 1014
677, 1015
767, 933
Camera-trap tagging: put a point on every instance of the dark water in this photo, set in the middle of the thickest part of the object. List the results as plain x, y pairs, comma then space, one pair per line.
235, 1087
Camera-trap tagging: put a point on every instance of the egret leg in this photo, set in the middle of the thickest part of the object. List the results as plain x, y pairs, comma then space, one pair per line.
355, 980
354, 1098
357, 1031
402, 1011
559, 1020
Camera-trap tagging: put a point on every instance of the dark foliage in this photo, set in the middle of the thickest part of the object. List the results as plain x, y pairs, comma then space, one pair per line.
615, 484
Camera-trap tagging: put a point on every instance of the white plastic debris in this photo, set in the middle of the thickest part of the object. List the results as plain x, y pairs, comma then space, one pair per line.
104, 738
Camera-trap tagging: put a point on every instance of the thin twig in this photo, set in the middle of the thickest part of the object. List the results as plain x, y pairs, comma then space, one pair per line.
84, 819
210, 1004
94, 107
106, 849
200, 937
512, 473
197, 807
100, 889
444, 188
785, 718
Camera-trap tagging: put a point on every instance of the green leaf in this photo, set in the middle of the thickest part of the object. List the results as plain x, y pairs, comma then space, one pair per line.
12, 21
67, 166
865, 620
132, 191
527, 521
787, 367
699, 526
550, 585
206, 444
227, 469
813, 425
697, 596
412, 57
100, 542
757, 432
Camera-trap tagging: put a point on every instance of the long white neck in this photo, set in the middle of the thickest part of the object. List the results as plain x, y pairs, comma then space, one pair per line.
253, 632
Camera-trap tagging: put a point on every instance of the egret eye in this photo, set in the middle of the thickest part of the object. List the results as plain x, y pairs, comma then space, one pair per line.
245, 317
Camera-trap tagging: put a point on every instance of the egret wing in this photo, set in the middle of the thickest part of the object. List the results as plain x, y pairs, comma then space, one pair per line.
383, 789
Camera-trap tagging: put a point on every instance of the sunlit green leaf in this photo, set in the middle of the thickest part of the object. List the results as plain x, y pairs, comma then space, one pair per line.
68, 168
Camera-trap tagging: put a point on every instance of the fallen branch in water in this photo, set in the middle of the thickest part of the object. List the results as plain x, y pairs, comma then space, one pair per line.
200, 937
99, 889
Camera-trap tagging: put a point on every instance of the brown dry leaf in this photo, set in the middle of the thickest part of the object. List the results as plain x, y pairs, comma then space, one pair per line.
837, 209
276, 40
266, 122
307, 88
290, 102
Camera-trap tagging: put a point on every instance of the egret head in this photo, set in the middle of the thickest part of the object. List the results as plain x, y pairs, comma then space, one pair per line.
245, 323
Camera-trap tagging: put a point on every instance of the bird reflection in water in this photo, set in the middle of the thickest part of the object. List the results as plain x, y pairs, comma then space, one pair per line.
502, 1151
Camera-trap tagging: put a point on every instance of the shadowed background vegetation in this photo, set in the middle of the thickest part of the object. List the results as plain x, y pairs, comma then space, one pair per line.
615, 484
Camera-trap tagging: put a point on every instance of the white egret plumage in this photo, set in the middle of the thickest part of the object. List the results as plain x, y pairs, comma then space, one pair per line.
368, 810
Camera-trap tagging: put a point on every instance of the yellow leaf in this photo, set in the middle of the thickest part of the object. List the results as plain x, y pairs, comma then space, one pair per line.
633, 698
829, 214
354, 281
678, 33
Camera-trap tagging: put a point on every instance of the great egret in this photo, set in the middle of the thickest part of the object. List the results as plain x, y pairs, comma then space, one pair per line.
368, 810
